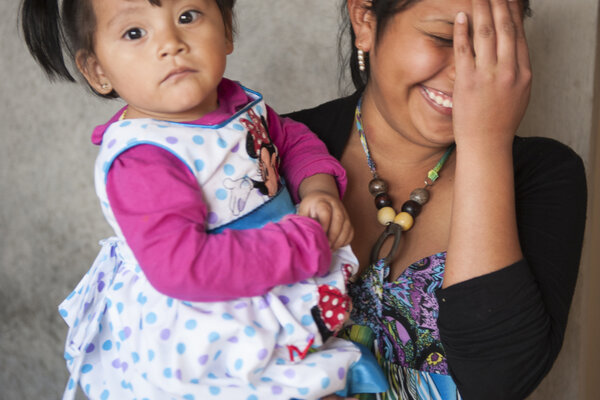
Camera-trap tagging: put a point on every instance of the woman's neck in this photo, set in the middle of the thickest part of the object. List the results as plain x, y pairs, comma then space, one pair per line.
393, 146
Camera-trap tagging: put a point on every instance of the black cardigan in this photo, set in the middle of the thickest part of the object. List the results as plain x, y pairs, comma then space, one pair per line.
503, 331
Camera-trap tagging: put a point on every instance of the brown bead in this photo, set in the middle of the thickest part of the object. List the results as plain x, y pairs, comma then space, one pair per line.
420, 195
412, 207
383, 200
378, 186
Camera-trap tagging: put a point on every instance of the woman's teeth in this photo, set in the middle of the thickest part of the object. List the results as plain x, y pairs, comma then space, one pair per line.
439, 99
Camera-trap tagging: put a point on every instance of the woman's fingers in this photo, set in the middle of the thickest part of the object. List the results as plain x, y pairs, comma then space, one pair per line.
484, 34
463, 54
516, 11
505, 33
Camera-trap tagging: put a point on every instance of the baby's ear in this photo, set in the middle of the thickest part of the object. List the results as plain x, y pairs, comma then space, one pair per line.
93, 72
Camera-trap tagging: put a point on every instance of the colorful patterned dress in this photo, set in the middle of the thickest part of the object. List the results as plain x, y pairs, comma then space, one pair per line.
398, 322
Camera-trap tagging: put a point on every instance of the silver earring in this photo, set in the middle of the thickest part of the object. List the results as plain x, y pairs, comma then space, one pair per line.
105, 86
361, 60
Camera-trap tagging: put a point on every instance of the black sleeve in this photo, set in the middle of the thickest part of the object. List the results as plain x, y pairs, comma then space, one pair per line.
503, 331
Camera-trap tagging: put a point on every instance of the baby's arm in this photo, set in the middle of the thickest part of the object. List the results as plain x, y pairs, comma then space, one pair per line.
315, 178
160, 209
303, 154
321, 202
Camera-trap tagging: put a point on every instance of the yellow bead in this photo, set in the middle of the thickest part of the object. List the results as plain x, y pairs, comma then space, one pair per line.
386, 215
405, 220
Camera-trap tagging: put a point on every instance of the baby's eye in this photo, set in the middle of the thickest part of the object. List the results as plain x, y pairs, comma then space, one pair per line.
189, 17
134, 34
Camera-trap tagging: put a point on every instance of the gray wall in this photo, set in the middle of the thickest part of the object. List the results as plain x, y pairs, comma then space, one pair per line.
50, 221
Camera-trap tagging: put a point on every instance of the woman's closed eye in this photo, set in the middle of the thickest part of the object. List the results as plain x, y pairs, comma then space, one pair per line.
189, 16
442, 40
134, 34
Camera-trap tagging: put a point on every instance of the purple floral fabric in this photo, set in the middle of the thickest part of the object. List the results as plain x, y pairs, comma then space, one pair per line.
403, 314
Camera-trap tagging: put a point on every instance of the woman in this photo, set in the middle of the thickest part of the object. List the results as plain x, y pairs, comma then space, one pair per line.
472, 301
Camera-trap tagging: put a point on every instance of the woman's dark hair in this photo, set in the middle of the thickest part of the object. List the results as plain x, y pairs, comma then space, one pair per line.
383, 10
53, 31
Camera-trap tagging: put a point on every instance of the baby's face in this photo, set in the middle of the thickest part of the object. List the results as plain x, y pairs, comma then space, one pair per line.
165, 62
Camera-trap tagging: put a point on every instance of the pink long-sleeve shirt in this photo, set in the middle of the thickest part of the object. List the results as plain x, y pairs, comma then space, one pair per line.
160, 209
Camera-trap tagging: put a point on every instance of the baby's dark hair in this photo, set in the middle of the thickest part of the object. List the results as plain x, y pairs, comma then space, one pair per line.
54, 29
383, 10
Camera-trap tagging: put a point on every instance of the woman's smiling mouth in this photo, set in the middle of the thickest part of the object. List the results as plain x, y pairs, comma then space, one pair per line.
441, 100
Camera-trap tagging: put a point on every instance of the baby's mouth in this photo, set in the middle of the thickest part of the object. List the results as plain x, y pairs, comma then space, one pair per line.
440, 98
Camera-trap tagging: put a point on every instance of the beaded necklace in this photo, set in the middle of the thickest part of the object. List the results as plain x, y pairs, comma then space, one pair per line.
395, 223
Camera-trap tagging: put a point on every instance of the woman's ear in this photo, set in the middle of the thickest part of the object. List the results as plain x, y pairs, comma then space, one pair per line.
93, 73
363, 23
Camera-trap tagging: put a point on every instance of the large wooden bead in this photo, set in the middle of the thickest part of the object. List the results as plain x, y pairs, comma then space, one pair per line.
383, 200
386, 215
405, 220
420, 195
377, 186
412, 207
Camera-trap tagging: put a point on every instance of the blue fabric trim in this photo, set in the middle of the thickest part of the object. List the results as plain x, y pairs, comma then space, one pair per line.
364, 376
271, 211
248, 106
445, 386
109, 163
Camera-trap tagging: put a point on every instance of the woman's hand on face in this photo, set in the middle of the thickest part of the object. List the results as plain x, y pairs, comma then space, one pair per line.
493, 74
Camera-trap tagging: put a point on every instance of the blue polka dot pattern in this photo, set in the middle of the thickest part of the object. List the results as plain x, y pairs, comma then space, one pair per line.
221, 194
151, 318
191, 324
238, 364
229, 169
289, 328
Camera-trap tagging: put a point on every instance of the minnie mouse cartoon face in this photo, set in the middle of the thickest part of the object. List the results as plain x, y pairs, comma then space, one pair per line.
260, 146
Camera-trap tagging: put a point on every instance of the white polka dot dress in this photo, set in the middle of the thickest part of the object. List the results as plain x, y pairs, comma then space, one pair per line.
128, 341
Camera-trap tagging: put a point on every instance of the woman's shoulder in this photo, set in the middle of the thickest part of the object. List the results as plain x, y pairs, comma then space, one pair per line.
331, 121
546, 153
548, 168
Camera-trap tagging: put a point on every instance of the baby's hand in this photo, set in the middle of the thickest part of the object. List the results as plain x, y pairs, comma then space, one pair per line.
329, 211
